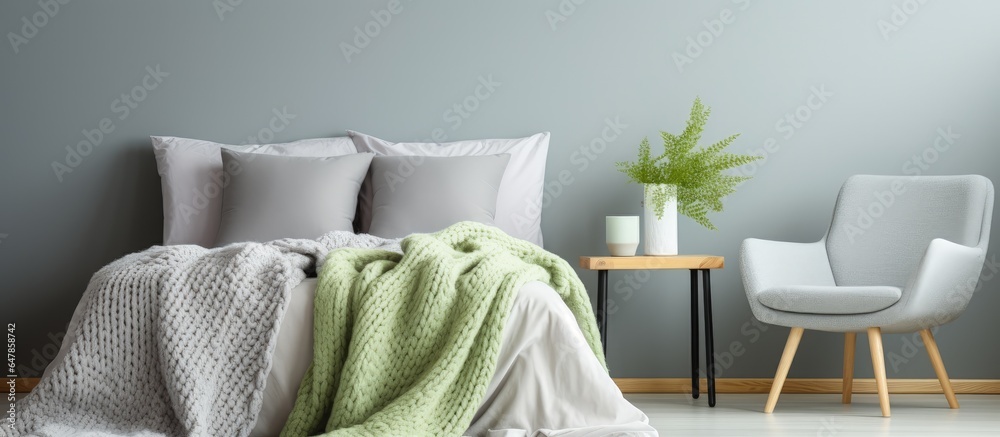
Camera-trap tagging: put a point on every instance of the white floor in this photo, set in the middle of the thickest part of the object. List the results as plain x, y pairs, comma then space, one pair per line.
820, 415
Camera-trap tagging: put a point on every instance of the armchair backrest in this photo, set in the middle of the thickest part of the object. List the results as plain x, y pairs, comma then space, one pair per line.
882, 225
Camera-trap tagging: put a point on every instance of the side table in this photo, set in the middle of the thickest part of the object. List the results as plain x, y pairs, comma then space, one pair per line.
694, 263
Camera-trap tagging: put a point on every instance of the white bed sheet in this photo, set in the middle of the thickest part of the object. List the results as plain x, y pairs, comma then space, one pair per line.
548, 381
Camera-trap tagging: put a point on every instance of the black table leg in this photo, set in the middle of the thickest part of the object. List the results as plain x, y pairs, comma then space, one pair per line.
709, 340
694, 334
602, 308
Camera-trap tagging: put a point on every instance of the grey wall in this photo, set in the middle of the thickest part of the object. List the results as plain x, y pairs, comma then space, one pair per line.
606, 61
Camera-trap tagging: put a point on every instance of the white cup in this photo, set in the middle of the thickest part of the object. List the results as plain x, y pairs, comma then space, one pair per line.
622, 234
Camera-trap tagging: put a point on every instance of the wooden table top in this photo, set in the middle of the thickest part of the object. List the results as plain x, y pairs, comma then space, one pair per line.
685, 262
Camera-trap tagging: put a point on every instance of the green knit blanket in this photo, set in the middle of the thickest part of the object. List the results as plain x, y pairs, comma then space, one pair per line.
406, 345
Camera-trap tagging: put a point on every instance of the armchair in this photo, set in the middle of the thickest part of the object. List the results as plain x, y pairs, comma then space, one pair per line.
902, 254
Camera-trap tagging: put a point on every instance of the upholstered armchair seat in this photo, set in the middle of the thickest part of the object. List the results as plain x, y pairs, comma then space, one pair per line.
902, 254
829, 299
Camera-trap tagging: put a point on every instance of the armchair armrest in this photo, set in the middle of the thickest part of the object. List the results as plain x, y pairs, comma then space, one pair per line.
765, 264
944, 282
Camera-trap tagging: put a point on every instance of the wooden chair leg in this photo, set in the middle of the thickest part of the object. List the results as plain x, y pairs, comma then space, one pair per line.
850, 340
878, 363
942, 374
786, 362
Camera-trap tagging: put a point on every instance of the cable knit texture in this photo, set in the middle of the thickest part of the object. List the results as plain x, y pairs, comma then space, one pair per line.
175, 341
406, 345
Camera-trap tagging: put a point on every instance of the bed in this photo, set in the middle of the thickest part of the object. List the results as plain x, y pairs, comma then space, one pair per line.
547, 379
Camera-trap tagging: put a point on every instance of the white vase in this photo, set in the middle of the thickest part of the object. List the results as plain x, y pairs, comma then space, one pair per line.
661, 232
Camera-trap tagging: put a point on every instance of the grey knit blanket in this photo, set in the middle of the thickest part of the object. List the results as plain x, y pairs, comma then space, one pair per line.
175, 341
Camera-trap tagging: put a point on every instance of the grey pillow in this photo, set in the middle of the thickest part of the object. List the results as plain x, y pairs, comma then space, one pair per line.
268, 197
191, 178
519, 201
414, 194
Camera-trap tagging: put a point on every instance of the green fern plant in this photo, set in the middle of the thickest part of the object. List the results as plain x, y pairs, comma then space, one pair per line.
697, 173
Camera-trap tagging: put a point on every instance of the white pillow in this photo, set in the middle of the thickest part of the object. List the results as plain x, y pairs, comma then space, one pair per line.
192, 180
519, 200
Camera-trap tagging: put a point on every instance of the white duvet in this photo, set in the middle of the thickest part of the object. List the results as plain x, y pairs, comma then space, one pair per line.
547, 381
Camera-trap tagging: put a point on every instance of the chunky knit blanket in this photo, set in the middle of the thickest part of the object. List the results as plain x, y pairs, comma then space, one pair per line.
174, 341
405, 345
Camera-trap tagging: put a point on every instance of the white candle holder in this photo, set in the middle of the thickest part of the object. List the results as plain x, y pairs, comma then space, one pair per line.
622, 234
